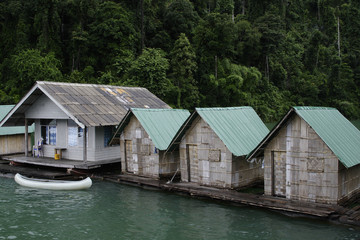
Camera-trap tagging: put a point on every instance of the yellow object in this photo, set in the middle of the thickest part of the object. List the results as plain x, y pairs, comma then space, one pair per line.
57, 156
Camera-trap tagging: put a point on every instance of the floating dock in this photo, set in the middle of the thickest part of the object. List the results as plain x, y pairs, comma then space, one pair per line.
324, 211
335, 213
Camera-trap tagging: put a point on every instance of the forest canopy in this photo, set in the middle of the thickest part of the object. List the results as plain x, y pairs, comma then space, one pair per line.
268, 54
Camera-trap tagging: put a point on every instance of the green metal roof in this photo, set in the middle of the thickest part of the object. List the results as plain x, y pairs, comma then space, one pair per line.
4, 110
338, 133
160, 124
240, 128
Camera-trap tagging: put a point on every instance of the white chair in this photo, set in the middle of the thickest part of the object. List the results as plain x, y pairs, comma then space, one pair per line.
38, 148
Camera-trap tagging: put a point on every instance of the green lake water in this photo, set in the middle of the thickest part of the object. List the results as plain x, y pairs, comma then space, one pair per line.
114, 211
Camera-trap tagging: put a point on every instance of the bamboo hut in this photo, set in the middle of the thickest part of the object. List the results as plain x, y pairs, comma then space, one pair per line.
313, 155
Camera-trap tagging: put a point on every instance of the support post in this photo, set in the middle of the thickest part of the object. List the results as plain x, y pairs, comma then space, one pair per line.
85, 145
26, 138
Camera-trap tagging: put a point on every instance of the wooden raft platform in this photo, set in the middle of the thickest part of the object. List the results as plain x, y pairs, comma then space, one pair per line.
330, 212
62, 163
31, 171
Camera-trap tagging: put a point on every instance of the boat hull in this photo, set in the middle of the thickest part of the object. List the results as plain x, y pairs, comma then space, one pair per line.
52, 184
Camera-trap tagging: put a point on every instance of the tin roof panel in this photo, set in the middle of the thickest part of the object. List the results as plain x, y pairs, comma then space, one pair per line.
338, 133
240, 128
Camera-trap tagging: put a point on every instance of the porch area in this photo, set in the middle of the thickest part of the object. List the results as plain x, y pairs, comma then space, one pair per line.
61, 163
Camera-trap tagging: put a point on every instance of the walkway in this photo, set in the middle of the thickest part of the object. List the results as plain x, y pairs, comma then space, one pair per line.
62, 163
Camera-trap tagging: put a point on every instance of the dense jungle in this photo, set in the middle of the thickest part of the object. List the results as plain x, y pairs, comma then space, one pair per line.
268, 54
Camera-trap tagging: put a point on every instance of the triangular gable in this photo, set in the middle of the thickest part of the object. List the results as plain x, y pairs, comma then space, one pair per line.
342, 137
87, 104
160, 124
16, 116
338, 133
239, 128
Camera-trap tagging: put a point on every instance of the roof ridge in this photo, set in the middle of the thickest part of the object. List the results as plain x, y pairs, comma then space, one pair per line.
224, 108
313, 108
159, 109
85, 84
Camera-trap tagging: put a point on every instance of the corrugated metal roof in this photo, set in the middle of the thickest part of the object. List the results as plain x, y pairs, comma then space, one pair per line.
338, 133
240, 128
88, 104
4, 110
161, 124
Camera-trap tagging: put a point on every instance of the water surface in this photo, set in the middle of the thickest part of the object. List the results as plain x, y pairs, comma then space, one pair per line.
115, 211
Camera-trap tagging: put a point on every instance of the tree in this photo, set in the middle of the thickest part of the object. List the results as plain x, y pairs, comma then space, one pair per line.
110, 33
47, 25
149, 71
183, 69
180, 17
30, 66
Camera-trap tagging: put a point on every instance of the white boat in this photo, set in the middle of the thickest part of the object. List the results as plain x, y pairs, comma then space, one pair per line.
53, 184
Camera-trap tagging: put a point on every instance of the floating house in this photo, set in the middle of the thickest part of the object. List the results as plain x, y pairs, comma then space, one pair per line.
12, 138
76, 121
144, 136
213, 145
313, 155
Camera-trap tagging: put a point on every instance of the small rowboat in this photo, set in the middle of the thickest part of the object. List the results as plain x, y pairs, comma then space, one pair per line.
53, 184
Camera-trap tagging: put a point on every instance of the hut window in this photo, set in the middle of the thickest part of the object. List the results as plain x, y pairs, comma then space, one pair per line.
108, 132
75, 134
215, 155
48, 131
138, 133
315, 165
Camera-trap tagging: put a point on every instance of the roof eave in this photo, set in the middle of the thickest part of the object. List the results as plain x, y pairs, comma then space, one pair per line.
82, 125
121, 125
182, 130
270, 134
16, 107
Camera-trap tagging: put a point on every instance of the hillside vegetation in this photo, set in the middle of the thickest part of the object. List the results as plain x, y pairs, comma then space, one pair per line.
268, 54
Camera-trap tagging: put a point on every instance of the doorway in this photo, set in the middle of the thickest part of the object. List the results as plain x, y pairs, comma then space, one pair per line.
278, 173
192, 162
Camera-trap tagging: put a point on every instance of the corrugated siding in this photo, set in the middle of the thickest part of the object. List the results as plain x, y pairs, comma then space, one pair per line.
161, 124
240, 128
342, 137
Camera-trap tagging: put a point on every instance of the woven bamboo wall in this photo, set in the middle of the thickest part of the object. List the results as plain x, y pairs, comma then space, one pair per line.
300, 166
211, 163
141, 156
10, 144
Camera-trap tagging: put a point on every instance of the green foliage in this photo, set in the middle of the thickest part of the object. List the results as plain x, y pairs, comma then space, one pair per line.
268, 54
30, 66
183, 69
149, 71
180, 17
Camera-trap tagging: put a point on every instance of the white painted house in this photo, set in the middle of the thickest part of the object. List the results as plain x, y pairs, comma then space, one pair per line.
78, 119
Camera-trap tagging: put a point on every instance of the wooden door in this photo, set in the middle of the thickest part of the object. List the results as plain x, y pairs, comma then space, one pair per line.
192, 162
129, 164
278, 170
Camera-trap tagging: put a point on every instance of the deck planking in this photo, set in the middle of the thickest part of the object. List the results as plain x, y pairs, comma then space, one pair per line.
61, 163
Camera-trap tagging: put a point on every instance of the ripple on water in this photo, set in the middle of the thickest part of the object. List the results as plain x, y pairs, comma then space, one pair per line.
113, 211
